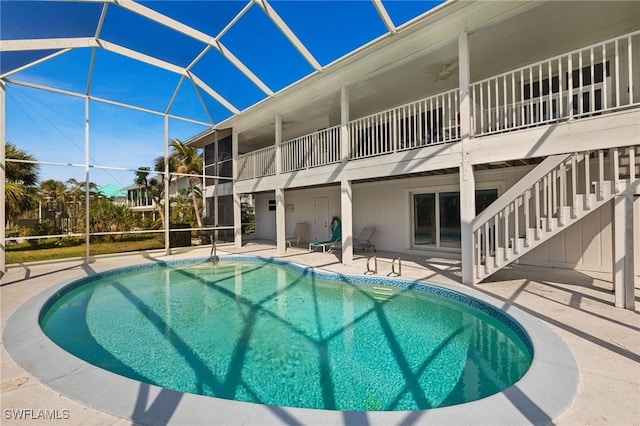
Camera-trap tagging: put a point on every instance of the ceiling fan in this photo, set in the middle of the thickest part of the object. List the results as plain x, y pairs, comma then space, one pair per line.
446, 70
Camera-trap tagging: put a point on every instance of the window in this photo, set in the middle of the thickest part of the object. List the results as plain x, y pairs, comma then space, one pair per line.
484, 198
272, 205
542, 97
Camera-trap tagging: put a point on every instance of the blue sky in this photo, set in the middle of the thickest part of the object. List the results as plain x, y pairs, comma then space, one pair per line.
51, 127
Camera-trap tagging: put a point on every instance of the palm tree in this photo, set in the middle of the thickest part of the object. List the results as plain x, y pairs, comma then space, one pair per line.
189, 161
155, 187
54, 190
53, 194
77, 195
20, 183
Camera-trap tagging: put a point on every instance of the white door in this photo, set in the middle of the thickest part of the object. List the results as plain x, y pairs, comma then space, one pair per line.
321, 218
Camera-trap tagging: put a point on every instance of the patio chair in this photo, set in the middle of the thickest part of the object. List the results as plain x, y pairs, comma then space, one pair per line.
298, 234
363, 240
335, 238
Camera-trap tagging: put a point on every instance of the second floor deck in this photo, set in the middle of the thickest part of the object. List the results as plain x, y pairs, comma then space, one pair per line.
594, 81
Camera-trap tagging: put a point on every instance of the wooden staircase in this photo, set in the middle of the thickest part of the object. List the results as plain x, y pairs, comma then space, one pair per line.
557, 193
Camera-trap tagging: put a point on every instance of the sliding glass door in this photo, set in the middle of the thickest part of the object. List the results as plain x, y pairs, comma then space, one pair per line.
436, 217
449, 207
424, 219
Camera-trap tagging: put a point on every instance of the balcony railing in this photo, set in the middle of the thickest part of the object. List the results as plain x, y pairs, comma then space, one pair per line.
139, 202
258, 163
593, 80
317, 149
430, 121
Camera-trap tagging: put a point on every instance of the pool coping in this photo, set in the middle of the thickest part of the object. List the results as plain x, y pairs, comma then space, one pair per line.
546, 390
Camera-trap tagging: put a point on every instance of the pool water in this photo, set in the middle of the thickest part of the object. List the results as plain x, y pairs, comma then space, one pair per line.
266, 332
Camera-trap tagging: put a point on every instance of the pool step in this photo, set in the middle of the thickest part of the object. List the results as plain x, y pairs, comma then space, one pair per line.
382, 293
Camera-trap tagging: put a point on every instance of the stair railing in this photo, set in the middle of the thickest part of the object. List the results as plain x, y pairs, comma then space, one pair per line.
560, 188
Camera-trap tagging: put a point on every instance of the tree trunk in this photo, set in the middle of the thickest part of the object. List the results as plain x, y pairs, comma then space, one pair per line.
195, 204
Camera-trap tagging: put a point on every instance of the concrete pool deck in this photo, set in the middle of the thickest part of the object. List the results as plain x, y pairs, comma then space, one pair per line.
578, 307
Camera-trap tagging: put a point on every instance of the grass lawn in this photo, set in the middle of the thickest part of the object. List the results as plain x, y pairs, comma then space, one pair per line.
19, 253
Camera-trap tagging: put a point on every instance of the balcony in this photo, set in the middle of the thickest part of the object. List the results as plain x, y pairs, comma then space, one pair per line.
599, 79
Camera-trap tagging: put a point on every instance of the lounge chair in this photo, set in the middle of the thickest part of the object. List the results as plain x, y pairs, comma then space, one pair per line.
335, 238
363, 240
298, 234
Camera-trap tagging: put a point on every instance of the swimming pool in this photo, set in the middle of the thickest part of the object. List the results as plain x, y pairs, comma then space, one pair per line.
63, 372
268, 332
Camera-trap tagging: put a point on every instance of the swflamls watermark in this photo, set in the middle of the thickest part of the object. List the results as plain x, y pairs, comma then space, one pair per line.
35, 414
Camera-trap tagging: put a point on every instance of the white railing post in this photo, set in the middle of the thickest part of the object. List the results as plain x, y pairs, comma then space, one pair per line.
600, 174
617, 71
562, 199
574, 184
537, 215
632, 163
614, 161
630, 62
527, 223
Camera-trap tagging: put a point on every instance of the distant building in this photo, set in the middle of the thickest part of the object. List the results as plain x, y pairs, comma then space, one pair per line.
113, 193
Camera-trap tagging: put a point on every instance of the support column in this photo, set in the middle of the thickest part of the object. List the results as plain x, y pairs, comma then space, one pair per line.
281, 238
278, 142
346, 192
87, 190
237, 203
216, 206
346, 210
623, 250
167, 183
344, 125
467, 179
281, 224
3, 170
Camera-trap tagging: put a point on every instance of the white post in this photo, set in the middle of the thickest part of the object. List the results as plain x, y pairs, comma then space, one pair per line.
346, 210
87, 204
216, 205
278, 142
344, 125
280, 222
3, 219
623, 250
167, 183
467, 180
346, 192
237, 203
